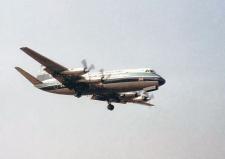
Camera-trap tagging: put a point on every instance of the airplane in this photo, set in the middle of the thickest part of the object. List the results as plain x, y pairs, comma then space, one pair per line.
118, 86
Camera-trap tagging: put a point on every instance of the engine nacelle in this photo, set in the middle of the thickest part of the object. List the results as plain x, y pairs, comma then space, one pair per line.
141, 98
74, 72
129, 95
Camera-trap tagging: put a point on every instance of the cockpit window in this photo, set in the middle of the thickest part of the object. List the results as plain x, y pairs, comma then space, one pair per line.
152, 71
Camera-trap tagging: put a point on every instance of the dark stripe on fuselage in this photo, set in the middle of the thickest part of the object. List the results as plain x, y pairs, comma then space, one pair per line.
133, 79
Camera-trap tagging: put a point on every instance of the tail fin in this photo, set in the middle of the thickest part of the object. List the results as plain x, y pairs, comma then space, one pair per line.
28, 76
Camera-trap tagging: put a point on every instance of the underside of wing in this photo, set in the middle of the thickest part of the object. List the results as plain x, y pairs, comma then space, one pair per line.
129, 97
142, 103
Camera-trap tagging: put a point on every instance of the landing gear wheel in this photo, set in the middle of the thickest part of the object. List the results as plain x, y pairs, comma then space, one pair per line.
77, 94
110, 107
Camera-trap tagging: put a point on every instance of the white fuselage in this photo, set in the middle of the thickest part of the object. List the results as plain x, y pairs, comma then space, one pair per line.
115, 81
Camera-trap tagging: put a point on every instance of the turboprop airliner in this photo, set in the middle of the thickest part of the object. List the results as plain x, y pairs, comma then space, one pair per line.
118, 86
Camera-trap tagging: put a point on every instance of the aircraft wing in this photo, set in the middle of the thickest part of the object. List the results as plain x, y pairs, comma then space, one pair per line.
142, 103
49, 64
115, 97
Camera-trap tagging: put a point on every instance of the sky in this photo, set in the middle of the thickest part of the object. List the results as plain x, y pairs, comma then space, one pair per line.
182, 40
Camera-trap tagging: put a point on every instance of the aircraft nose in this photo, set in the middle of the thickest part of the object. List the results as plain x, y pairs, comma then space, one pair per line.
162, 81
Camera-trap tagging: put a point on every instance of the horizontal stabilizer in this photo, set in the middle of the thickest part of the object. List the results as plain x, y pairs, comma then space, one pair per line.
28, 76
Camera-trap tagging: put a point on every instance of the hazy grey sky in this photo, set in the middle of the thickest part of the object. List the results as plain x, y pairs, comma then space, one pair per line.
183, 40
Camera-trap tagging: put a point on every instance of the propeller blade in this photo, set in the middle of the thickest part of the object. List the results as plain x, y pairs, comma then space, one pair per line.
101, 70
84, 63
103, 75
85, 66
108, 76
91, 67
146, 94
151, 97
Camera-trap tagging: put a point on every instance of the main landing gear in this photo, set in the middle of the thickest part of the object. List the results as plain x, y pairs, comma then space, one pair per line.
110, 106
77, 94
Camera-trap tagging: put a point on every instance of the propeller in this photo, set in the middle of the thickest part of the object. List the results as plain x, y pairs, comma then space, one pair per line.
101, 71
147, 96
42, 69
86, 68
103, 76
151, 97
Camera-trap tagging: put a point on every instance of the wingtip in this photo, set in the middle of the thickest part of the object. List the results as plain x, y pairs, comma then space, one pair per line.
23, 48
28, 76
17, 68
